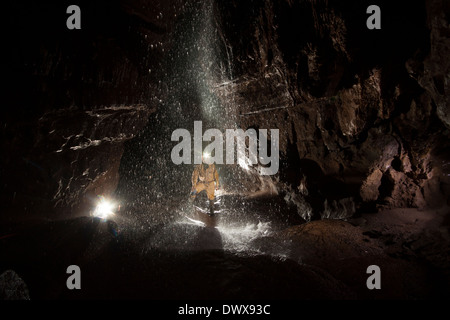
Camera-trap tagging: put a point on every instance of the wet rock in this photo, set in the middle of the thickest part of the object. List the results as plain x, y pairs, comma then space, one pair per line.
75, 99
401, 191
327, 239
345, 251
303, 207
351, 111
12, 287
339, 209
349, 103
433, 74
369, 189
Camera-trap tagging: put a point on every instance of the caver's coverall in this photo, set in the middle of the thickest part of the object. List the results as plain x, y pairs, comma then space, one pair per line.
205, 178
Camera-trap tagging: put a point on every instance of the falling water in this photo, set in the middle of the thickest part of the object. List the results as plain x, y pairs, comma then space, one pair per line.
156, 191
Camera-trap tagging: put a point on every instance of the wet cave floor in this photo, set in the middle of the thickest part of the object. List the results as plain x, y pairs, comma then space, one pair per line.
234, 255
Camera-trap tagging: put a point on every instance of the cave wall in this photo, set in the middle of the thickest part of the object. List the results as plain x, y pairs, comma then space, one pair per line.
73, 98
363, 114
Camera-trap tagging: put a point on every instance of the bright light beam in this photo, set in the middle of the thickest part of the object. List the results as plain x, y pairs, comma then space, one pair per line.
104, 209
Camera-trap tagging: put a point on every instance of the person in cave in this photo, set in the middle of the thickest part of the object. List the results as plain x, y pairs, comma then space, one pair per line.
205, 178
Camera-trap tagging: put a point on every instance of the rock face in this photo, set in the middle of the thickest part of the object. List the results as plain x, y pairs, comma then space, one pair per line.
73, 98
433, 73
363, 114
407, 244
364, 123
12, 287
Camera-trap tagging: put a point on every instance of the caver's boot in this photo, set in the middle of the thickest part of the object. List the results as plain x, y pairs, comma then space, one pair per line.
192, 195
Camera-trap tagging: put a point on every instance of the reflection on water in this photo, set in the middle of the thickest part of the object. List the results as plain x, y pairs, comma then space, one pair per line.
237, 237
241, 226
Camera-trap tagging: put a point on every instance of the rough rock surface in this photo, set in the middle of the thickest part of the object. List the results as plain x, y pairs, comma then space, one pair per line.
362, 114
325, 259
74, 98
433, 73
408, 245
12, 287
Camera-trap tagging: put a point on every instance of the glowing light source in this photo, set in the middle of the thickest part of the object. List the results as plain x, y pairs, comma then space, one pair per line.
104, 209
206, 155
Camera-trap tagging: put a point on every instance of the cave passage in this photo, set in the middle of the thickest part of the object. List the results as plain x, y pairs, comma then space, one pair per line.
155, 191
361, 143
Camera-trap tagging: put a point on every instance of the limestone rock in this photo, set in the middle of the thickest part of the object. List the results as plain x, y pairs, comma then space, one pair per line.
12, 287
369, 189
